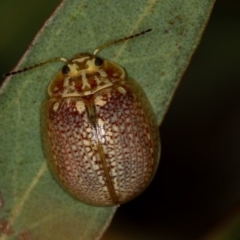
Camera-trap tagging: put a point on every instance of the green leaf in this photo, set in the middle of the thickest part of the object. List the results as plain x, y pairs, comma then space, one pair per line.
33, 201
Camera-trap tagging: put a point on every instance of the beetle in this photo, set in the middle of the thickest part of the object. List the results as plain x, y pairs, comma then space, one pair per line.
100, 133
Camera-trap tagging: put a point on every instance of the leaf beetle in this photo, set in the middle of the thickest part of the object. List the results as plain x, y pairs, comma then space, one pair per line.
100, 133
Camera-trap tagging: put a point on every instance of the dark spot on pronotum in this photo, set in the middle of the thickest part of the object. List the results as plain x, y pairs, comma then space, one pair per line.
65, 69
98, 62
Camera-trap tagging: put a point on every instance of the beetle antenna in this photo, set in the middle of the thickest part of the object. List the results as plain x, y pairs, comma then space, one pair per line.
35, 66
120, 40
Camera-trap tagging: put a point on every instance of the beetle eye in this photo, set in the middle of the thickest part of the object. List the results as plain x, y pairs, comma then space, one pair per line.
98, 62
65, 69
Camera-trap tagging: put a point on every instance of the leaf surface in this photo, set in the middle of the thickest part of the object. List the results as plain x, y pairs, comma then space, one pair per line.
33, 200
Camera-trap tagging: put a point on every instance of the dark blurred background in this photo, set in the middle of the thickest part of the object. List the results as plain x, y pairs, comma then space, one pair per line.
197, 186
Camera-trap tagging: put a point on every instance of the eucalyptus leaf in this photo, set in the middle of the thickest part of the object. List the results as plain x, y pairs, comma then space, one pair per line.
33, 200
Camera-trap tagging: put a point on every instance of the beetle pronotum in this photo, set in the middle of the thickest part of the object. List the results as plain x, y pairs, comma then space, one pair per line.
100, 134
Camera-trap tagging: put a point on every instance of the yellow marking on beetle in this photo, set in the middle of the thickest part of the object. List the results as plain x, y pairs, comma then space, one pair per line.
92, 67
86, 142
100, 122
55, 106
74, 69
121, 90
86, 85
69, 89
99, 101
80, 59
80, 106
